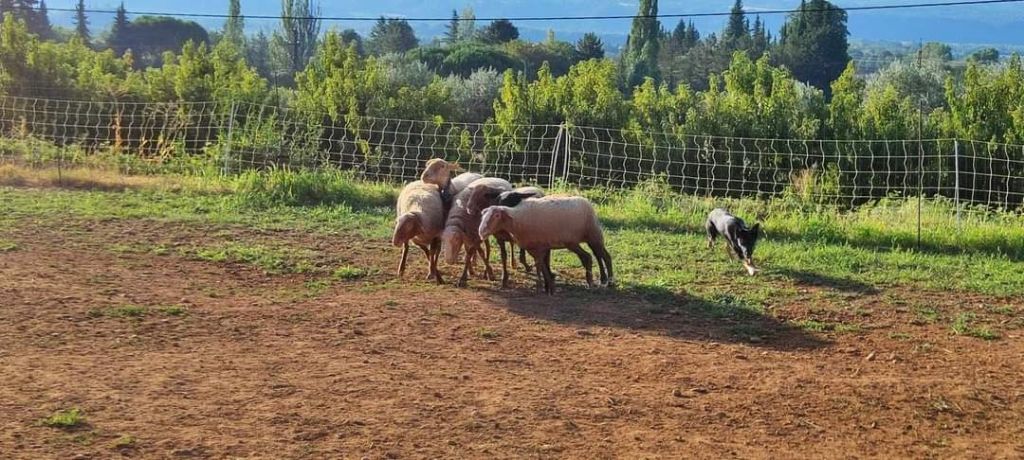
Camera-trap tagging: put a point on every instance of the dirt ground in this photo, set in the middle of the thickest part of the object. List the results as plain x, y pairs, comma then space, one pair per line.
277, 366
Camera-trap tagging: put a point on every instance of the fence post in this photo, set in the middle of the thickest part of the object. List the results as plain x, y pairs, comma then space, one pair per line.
566, 154
956, 182
230, 140
554, 155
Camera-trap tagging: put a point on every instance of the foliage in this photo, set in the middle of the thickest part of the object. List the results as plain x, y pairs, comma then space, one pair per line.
589, 47
499, 31
472, 98
82, 22
813, 43
466, 58
640, 56
391, 36
294, 43
234, 26
985, 56
149, 37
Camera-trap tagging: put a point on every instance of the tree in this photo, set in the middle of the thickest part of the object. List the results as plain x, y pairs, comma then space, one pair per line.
391, 36
737, 32
451, 33
985, 56
149, 37
294, 42
351, 37
640, 57
935, 51
41, 23
759, 39
470, 57
844, 109
589, 47
234, 27
813, 43
81, 22
467, 24
499, 31
116, 41
257, 54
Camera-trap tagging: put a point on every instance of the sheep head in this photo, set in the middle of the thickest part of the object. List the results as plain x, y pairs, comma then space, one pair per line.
407, 226
452, 240
494, 220
481, 198
438, 172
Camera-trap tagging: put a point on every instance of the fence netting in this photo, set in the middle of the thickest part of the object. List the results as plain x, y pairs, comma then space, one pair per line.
235, 136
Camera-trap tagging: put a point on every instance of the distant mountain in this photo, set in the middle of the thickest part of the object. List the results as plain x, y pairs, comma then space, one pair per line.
982, 24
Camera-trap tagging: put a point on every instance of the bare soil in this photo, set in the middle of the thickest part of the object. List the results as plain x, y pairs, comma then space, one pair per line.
306, 366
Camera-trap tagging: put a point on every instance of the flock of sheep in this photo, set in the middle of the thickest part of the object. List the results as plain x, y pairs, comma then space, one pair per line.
441, 214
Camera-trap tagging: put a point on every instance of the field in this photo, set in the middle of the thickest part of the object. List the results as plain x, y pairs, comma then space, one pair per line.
259, 317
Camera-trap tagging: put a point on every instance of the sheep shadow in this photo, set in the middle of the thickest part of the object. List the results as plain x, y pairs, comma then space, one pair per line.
662, 311
817, 279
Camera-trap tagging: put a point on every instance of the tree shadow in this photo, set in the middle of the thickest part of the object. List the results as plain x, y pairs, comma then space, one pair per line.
817, 279
723, 319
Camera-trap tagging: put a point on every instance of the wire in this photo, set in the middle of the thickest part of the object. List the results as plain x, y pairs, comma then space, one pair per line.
554, 18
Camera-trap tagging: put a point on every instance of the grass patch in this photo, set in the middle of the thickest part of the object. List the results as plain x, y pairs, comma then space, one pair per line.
926, 315
348, 273
900, 336
7, 245
824, 326
840, 249
68, 418
123, 311
173, 310
123, 442
316, 287
485, 333
963, 324
271, 260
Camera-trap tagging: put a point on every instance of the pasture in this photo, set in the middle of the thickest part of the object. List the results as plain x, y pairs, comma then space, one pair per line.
259, 316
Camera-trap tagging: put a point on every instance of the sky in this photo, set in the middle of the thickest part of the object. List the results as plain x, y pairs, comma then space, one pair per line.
979, 24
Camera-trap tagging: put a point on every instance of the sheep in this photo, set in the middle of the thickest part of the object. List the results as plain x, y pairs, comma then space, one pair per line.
552, 222
483, 197
421, 220
460, 225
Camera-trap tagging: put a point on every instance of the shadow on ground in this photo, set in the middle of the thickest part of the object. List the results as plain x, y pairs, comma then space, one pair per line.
816, 279
660, 310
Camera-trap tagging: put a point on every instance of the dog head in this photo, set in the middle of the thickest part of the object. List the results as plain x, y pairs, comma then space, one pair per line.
747, 241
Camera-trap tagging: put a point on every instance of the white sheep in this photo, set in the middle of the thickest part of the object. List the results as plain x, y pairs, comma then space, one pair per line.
459, 229
420, 220
552, 222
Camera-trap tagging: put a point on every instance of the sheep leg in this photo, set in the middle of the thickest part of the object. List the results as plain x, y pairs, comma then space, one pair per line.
585, 259
549, 278
465, 268
426, 252
538, 258
604, 260
512, 250
401, 264
522, 258
488, 271
435, 252
504, 264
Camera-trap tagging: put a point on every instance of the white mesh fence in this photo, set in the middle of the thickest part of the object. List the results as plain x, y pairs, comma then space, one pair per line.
234, 137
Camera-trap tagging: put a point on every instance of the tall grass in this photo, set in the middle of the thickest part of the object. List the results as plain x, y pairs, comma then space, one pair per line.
286, 187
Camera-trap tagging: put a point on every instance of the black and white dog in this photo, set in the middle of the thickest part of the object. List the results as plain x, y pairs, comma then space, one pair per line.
741, 240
